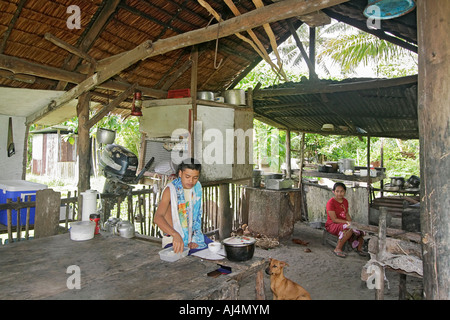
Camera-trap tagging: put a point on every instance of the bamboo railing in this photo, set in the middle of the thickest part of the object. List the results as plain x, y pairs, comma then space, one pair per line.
138, 207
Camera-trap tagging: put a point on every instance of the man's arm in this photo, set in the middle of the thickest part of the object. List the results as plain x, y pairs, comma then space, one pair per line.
161, 219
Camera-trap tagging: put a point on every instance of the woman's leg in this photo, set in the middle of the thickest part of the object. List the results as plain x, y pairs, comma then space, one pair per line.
346, 235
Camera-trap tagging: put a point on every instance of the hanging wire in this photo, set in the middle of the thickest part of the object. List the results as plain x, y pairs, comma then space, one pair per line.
217, 47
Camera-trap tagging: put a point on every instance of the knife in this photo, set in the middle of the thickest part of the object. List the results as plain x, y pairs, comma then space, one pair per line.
10, 148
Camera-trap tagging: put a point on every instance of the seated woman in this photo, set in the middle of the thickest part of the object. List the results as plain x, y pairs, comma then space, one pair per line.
339, 222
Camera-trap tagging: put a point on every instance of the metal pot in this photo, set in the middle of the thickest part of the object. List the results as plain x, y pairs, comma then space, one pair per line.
397, 181
236, 97
125, 229
414, 181
205, 95
105, 136
346, 164
110, 225
239, 248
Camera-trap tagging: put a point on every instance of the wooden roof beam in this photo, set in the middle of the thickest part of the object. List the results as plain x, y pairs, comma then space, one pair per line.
68, 47
315, 87
285, 10
313, 19
111, 106
88, 39
24, 67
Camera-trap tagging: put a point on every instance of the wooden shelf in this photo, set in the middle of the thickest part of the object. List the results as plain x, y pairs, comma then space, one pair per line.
341, 176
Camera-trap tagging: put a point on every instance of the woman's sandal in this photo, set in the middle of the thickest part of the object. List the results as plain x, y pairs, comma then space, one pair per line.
339, 254
362, 253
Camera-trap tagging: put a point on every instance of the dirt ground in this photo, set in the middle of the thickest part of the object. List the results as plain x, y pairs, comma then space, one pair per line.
321, 273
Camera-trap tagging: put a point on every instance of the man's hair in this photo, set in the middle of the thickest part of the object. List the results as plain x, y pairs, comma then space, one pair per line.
189, 163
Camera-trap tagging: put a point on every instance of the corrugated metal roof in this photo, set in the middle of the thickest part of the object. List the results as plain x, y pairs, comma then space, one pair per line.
380, 107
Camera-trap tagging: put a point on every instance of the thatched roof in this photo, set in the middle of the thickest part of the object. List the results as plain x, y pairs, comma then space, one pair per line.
29, 29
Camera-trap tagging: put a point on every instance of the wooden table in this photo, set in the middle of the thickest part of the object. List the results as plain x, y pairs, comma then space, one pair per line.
112, 267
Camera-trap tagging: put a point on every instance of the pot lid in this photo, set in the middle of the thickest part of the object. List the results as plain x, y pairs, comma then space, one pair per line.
239, 240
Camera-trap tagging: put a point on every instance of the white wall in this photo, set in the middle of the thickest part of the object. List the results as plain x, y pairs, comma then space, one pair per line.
11, 167
317, 198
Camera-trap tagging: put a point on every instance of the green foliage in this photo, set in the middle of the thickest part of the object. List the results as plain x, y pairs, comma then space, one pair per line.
127, 130
348, 49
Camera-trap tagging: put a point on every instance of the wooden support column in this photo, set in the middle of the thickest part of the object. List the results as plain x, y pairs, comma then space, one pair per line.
312, 51
194, 58
379, 293
433, 24
83, 148
369, 179
225, 218
288, 154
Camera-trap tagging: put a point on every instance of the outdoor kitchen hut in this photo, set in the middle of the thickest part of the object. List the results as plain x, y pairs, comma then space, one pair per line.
60, 59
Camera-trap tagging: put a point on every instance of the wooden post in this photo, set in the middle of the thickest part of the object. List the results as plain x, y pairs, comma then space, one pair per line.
194, 57
369, 180
312, 52
225, 218
260, 294
379, 293
83, 147
48, 203
288, 154
433, 24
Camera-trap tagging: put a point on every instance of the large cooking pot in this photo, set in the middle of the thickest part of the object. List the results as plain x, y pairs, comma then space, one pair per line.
240, 248
205, 95
236, 97
346, 164
105, 136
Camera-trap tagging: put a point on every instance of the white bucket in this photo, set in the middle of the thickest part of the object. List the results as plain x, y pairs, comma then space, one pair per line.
90, 203
82, 230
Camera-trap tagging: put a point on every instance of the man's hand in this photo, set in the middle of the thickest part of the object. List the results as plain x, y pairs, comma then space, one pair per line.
192, 245
178, 244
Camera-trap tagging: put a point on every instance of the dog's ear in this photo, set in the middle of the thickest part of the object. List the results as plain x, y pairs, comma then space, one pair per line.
284, 264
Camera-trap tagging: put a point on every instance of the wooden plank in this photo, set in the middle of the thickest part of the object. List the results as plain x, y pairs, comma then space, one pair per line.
46, 218
395, 233
112, 267
255, 18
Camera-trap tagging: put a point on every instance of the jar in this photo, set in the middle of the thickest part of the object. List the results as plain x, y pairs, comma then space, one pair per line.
96, 218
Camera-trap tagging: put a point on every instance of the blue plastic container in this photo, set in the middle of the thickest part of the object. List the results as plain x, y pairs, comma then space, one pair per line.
12, 189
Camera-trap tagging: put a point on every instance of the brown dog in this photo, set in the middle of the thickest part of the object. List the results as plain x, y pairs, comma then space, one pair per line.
283, 288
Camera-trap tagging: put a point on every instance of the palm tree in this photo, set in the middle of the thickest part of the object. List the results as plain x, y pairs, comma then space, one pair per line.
345, 47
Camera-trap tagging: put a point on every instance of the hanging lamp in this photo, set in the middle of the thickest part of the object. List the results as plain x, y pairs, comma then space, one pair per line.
137, 104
